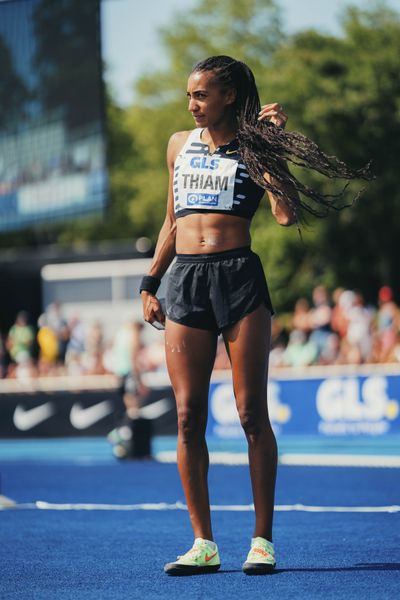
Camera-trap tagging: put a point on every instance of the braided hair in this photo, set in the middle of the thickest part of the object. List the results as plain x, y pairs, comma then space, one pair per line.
266, 147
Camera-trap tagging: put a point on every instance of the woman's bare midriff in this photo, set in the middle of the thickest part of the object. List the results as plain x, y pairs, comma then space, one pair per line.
203, 233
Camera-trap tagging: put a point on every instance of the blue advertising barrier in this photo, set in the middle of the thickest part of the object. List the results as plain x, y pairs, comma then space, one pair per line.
333, 405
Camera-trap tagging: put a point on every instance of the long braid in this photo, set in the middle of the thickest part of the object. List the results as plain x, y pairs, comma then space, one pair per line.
265, 147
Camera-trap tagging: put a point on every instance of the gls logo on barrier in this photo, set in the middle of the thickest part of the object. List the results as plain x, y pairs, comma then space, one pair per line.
202, 162
347, 406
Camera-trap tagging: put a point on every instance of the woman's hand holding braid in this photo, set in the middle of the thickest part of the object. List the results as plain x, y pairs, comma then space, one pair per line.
274, 113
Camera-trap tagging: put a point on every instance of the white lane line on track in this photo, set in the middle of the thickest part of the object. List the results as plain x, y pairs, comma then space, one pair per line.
307, 460
160, 506
340, 460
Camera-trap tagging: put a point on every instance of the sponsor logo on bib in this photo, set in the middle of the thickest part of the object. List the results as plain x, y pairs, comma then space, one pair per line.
202, 162
202, 199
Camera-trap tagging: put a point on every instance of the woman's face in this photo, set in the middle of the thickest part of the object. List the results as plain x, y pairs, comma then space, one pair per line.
209, 104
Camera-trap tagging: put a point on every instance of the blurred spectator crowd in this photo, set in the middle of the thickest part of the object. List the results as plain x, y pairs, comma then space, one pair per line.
326, 331
58, 346
340, 331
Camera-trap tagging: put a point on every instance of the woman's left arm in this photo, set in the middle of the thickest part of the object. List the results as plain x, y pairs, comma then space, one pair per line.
282, 211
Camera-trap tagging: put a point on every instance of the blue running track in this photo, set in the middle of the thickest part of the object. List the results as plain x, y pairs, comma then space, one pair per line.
82, 528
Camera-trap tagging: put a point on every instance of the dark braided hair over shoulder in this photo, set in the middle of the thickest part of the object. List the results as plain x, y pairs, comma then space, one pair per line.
264, 147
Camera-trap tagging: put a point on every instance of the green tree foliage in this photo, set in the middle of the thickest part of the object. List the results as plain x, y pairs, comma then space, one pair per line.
343, 92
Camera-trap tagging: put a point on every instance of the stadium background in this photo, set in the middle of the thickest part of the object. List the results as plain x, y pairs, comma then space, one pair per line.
82, 191
81, 200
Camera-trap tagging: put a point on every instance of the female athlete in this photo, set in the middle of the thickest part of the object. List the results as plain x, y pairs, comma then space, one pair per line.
218, 174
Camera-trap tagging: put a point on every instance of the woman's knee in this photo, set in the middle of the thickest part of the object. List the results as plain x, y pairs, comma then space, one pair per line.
192, 420
253, 417
251, 423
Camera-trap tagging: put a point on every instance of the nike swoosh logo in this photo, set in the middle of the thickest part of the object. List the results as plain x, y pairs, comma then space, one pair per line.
231, 152
82, 418
210, 557
25, 419
155, 409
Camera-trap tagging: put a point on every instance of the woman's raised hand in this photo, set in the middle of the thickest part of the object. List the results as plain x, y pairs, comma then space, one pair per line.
274, 113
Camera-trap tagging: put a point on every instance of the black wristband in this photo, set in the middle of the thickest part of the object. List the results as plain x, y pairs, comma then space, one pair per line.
150, 284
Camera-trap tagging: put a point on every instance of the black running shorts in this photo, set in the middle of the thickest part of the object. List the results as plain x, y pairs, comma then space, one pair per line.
214, 291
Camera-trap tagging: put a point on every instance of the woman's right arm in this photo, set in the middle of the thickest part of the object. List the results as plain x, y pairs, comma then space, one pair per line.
165, 247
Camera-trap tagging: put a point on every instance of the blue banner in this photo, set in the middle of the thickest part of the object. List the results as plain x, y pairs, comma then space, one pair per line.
329, 406
52, 134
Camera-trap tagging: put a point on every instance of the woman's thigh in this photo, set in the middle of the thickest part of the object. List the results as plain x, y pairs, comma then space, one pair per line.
190, 356
248, 344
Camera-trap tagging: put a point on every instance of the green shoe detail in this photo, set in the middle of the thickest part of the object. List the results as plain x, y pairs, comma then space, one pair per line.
261, 558
203, 557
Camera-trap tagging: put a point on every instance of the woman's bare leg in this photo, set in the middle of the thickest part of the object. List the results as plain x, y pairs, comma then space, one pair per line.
248, 343
190, 355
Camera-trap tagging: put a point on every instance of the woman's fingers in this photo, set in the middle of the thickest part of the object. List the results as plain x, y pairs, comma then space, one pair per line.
274, 113
159, 316
272, 106
152, 309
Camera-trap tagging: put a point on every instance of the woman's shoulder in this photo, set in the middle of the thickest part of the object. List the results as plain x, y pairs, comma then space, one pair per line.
177, 141
180, 137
